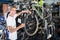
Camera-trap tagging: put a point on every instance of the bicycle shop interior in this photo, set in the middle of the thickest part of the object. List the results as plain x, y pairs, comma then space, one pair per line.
42, 24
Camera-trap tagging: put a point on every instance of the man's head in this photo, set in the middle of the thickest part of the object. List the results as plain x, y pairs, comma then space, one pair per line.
12, 10
4, 7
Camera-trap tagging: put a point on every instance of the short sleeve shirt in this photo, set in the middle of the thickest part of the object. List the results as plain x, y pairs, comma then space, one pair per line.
11, 22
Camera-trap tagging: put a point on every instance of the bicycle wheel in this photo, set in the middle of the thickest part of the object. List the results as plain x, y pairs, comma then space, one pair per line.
31, 25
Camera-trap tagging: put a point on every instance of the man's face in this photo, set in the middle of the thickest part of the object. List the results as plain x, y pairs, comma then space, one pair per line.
5, 8
13, 11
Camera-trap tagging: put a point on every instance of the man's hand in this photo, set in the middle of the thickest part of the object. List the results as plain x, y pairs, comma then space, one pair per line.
11, 29
26, 11
22, 25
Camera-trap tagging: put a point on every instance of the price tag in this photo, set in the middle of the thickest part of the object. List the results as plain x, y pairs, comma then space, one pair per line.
19, 20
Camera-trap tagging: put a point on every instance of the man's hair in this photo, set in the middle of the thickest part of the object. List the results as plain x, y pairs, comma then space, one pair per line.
12, 7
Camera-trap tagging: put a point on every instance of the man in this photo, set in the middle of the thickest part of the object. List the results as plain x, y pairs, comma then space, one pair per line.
11, 23
5, 9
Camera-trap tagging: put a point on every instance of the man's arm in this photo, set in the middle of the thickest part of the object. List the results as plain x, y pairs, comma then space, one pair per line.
26, 11
11, 29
